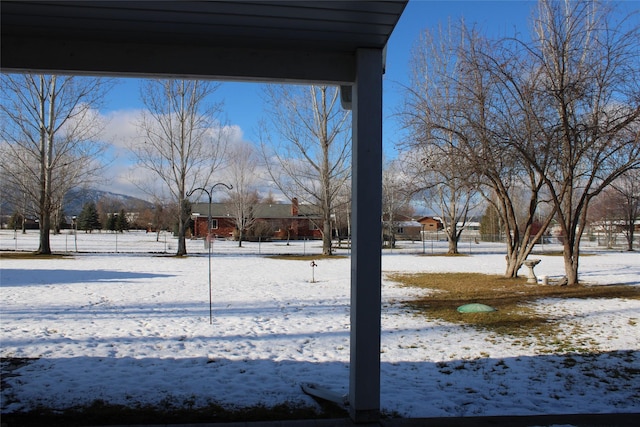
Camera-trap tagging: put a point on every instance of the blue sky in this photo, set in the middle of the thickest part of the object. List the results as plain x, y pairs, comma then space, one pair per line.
243, 106
243, 102
497, 18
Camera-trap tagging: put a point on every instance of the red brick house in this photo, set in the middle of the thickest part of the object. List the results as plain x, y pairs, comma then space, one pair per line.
279, 221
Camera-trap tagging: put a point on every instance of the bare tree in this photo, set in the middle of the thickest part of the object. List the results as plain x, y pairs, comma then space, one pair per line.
342, 205
588, 72
444, 185
243, 198
396, 196
627, 187
50, 130
18, 190
499, 114
440, 172
182, 142
552, 120
306, 147
606, 217
163, 215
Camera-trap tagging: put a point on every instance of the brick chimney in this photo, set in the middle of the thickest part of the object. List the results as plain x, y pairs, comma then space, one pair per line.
294, 206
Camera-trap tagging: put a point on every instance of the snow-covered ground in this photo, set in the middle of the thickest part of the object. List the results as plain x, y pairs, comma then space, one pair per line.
133, 328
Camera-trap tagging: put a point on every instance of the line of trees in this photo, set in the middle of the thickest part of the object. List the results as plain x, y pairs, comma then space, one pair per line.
89, 219
537, 126
49, 134
617, 209
243, 197
51, 144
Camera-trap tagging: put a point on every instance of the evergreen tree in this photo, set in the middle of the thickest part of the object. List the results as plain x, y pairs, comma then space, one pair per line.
121, 223
110, 224
88, 220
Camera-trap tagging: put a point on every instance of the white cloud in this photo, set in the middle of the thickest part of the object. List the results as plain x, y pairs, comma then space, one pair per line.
122, 128
120, 134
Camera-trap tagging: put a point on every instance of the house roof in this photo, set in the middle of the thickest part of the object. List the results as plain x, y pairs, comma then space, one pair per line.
304, 41
427, 219
408, 224
262, 210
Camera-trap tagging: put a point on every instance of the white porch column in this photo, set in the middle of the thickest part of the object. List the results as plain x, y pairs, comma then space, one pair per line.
364, 379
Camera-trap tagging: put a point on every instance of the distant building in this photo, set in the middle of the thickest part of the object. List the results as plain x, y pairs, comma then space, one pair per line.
407, 228
279, 221
430, 223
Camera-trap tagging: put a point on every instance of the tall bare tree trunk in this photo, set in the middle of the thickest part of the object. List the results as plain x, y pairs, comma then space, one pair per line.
50, 134
183, 217
182, 143
571, 257
312, 162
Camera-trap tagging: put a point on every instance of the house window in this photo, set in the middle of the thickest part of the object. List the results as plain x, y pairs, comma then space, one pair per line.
275, 225
313, 226
214, 224
400, 230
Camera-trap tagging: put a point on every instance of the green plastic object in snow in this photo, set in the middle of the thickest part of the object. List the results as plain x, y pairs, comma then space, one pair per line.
475, 308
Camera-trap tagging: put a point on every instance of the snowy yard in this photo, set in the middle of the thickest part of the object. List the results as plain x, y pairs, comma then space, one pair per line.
132, 328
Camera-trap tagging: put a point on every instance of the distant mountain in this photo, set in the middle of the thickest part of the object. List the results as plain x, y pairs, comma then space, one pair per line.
76, 199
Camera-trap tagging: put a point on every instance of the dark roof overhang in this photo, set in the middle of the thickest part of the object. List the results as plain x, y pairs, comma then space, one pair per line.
296, 41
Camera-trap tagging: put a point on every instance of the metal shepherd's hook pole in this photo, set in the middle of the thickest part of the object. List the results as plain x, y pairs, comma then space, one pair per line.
210, 194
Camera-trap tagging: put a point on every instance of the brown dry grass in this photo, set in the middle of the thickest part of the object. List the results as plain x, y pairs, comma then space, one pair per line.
305, 257
31, 255
512, 298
